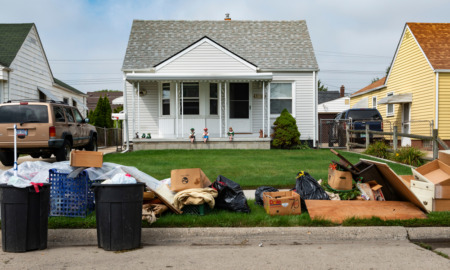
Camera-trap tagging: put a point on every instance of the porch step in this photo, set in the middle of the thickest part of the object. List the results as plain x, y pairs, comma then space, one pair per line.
222, 143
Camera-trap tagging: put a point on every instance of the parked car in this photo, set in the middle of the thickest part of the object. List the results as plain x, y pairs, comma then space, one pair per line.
43, 129
356, 119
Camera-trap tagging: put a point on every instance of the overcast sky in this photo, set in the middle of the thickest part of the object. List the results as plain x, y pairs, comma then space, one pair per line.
354, 40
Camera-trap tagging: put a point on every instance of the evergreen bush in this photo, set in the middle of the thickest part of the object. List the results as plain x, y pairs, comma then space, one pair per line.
286, 134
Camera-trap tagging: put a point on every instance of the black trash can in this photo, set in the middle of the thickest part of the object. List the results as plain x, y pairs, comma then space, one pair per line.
119, 215
24, 215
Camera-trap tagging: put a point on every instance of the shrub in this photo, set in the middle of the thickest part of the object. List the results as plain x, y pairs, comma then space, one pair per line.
286, 134
409, 155
378, 149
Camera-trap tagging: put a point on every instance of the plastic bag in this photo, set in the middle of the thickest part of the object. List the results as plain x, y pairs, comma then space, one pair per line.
259, 194
120, 178
230, 195
309, 189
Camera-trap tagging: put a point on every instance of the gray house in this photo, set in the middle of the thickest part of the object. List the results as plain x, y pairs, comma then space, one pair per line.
219, 74
25, 72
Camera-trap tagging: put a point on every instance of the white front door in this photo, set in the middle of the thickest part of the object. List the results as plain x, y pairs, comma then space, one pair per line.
239, 104
406, 123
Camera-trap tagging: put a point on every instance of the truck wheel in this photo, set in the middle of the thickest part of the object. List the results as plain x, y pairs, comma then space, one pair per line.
7, 158
92, 146
63, 153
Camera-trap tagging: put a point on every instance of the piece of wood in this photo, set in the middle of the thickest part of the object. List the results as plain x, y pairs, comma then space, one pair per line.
399, 186
338, 211
344, 161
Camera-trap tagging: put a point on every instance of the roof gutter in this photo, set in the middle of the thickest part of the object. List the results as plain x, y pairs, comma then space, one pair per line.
369, 91
442, 70
186, 77
289, 70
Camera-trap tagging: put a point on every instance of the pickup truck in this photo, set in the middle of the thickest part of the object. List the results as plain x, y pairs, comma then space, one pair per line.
357, 119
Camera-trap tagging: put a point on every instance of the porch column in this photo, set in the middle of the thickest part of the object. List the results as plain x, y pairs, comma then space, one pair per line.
176, 109
268, 110
263, 106
182, 109
220, 109
134, 110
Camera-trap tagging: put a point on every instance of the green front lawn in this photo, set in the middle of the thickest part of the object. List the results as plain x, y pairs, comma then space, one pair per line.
249, 168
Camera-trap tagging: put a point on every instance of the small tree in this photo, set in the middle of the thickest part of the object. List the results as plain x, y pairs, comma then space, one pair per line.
286, 134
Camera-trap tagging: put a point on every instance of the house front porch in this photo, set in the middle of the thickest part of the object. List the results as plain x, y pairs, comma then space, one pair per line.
239, 142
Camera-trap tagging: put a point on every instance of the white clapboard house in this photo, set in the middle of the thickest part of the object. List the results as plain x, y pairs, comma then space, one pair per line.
25, 73
219, 74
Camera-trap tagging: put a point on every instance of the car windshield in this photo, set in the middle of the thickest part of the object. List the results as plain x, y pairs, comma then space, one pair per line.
364, 115
23, 114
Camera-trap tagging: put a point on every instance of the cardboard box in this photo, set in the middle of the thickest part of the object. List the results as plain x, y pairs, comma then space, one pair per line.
436, 173
371, 191
183, 179
339, 180
282, 203
86, 159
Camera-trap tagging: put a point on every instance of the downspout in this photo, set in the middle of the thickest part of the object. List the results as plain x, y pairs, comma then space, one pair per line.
125, 109
268, 110
315, 117
139, 107
436, 126
9, 85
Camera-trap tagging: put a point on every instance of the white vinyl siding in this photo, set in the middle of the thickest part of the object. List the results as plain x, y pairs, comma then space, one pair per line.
30, 69
205, 59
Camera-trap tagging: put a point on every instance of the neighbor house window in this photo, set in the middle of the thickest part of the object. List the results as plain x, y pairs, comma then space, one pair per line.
42, 96
390, 107
374, 102
190, 104
213, 99
66, 100
166, 99
74, 103
280, 97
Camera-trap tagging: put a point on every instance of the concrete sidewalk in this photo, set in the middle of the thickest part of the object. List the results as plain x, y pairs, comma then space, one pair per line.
257, 235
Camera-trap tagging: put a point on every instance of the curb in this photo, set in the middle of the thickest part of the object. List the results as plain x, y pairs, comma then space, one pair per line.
257, 235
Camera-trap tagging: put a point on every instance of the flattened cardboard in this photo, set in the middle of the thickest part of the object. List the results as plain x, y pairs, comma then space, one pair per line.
339, 180
338, 211
183, 179
401, 189
86, 159
282, 203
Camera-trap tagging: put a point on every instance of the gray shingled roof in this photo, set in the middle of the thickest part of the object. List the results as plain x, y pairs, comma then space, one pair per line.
267, 44
12, 37
324, 96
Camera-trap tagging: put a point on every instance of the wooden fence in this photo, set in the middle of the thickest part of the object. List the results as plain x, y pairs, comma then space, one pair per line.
436, 141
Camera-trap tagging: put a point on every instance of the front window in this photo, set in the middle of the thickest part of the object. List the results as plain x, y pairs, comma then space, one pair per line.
190, 103
213, 99
78, 116
280, 97
390, 107
69, 115
166, 99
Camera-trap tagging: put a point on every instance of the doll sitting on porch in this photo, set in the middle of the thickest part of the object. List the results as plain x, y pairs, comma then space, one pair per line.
205, 135
192, 135
230, 134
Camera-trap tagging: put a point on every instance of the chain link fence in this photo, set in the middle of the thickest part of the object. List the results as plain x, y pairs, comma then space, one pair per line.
108, 137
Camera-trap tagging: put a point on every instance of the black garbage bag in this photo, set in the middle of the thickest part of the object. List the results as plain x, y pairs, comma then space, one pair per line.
230, 195
309, 189
259, 194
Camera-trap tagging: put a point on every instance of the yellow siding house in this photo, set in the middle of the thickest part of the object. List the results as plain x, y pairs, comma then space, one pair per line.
415, 95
